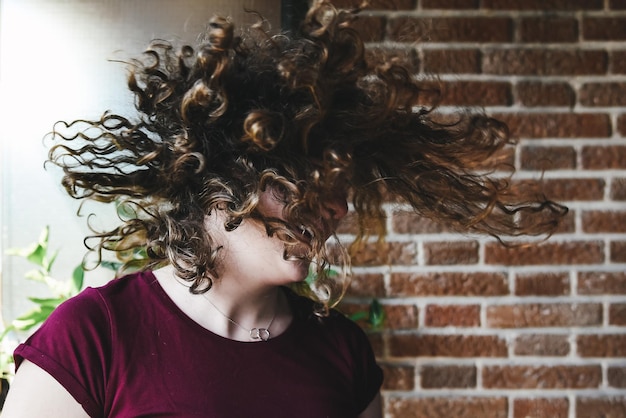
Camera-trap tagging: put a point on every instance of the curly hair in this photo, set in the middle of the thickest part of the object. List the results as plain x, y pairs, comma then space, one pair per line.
304, 115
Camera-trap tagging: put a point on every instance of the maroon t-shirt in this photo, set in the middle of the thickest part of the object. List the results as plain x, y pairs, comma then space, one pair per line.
126, 350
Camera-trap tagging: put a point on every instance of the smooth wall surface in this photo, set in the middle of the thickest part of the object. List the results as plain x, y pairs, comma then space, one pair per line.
55, 65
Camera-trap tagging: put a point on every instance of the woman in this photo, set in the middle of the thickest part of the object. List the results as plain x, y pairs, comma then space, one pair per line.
236, 170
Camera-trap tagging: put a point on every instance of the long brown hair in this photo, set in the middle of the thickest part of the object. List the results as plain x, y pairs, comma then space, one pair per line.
305, 115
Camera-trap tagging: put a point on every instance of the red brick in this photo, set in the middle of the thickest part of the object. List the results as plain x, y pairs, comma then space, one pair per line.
465, 346
452, 315
450, 4
534, 93
617, 4
567, 253
574, 189
452, 61
618, 251
602, 94
447, 407
604, 157
595, 221
398, 377
548, 158
434, 377
567, 224
544, 315
451, 29
367, 285
618, 189
448, 253
398, 253
405, 222
400, 316
448, 284
602, 283
543, 5
618, 62
621, 123
542, 377
355, 311
611, 345
617, 314
604, 28
542, 284
476, 93
462, 61
558, 125
377, 4
548, 29
604, 407
617, 376
541, 408
542, 345
544, 62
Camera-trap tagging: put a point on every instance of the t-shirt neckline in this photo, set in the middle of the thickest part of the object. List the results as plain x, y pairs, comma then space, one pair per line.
153, 282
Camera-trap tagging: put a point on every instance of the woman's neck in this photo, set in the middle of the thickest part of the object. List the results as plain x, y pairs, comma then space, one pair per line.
230, 309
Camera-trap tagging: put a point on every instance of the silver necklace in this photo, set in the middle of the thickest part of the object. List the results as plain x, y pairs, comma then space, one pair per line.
255, 333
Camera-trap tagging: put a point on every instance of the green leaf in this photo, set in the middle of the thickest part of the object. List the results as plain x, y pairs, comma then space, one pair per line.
48, 262
111, 265
36, 275
36, 252
376, 314
22, 252
78, 276
38, 255
32, 318
357, 316
47, 302
310, 277
44, 236
140, 253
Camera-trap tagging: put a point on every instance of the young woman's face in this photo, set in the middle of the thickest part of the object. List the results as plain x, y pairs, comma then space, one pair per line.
249, 253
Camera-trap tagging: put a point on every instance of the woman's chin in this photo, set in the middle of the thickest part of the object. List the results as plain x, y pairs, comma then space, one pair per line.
301, 270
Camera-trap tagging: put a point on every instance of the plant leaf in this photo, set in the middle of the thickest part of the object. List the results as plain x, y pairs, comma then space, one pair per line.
357, 316
111, 265
32, 318
78, 277
47, 302
38, 255
376, 314
48, 262
36, 275
44, 237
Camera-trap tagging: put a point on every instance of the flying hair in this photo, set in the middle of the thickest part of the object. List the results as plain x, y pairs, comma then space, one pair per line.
302, 115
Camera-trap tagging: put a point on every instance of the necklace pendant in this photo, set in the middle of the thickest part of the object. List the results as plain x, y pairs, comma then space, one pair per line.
260, 334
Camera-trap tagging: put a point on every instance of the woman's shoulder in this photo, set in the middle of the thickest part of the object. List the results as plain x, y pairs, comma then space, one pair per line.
334, 322
98, 302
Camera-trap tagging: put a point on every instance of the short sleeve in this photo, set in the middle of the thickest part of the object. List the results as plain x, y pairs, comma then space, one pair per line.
368, 374
73, 346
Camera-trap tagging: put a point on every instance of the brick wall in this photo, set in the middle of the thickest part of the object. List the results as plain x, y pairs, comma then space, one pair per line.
474, 329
